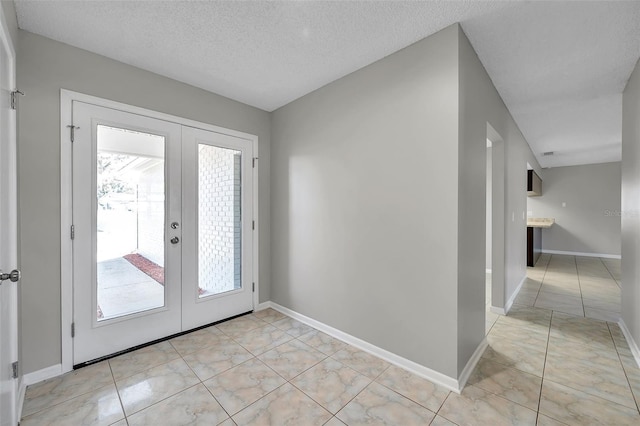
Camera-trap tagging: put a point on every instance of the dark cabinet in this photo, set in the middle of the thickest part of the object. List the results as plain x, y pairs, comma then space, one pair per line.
534, 184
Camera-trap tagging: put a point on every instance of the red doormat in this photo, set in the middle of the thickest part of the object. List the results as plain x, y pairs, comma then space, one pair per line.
150, 268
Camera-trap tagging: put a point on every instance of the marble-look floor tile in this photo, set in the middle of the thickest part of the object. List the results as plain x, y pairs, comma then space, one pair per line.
144, 389
600, 377
548, 421
122, 422
331, 384
601, 315
142, 359
334, 421
263, 339
292, 358
364, 363
567, 304
581, 330
100, 407
380, 405
240, 325
243, 385
322, 342
58, 389
417, 389
286, 406
614, 304
573, 407
197, 340
269, 315
441, 421
208, 362
516, 356
475, 406
529, 338
560, 290
293, 327
194, 405
514, 385
569, 348
535, 319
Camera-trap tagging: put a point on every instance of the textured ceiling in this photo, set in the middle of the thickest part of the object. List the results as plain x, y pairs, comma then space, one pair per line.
560, 66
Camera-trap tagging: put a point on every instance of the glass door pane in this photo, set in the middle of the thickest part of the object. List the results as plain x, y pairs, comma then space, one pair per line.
219, 220
130, 222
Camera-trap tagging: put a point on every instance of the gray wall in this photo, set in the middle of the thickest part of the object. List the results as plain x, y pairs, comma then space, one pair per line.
631, 204
9, 9
590, 222
364, 203
378, 191
44, 67
480, 104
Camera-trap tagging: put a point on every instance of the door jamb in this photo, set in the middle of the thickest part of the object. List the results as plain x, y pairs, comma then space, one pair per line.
66, 201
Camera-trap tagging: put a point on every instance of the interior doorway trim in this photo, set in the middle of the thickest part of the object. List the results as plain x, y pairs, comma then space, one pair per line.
66, 249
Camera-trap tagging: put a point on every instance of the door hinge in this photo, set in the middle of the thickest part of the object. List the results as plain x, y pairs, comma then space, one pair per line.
72, 130
73, 329
73, 232
14, 95
253, 162
253, 287
14, 370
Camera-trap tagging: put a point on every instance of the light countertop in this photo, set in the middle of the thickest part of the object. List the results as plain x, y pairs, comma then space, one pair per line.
540, 222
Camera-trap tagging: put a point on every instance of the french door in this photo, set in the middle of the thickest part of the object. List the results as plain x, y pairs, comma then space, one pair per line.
162, 229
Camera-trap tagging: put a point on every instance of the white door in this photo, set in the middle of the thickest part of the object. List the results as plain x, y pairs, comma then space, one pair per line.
217, 212
8, 237
126, 195
162, 224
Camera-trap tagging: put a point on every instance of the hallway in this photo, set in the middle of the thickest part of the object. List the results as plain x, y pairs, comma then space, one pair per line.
542, 366
582, 286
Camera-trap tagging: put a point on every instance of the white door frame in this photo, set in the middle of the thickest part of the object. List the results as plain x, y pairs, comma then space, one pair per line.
17, 391
66, 252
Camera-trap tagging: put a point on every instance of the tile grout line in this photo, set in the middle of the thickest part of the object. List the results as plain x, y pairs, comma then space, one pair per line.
115, 385
584, 311
610, 273
544, 365
544, 274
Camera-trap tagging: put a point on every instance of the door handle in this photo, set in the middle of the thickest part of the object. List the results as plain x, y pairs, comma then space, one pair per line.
175, 240
12, 276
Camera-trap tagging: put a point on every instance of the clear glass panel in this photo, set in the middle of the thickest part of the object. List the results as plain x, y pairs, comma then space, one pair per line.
219, 220
130, 225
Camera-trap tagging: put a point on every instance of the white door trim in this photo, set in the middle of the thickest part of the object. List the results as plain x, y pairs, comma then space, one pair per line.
16, 403
66, 255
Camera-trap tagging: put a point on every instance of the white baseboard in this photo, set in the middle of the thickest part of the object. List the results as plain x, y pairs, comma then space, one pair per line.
44, 374
496, 310
471, 364
262, 306
415, 368
509, 303
487, 271
22, 390
630, 341
577, 253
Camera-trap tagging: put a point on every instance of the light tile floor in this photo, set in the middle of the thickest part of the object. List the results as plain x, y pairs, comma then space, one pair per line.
583, 286
542, 367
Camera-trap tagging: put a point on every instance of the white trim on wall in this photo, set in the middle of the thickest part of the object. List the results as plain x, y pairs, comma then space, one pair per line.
635, 351
43, 374
450, 383
66, 202
577, 253
509, 304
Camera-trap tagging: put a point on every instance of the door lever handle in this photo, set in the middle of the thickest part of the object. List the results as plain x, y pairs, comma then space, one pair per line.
12, 276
